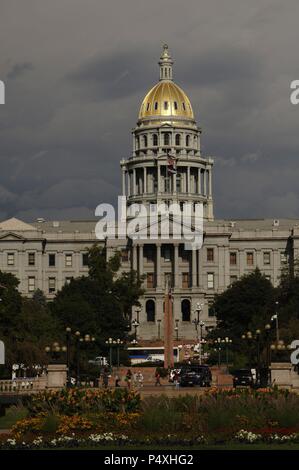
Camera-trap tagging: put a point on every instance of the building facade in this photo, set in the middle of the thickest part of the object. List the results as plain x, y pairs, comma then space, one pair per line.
166, 166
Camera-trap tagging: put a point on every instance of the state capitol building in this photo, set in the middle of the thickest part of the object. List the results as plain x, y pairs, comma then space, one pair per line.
47, 254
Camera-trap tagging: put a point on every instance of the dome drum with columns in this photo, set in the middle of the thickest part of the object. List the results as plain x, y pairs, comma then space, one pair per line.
166, 126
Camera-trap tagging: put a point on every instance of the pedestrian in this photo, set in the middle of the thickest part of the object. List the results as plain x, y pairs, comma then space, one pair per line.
117, 380
105, 378
128, 378
176, 379
158, 379
140, 379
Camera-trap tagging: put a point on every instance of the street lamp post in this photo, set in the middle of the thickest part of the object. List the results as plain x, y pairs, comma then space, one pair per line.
176, 329
119, 343
135, 324
109, 342
227, 341
77, 334
68, 352
275, 317
268, 360
197, 323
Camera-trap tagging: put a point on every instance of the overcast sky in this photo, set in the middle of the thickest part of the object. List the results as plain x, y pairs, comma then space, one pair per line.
76, 72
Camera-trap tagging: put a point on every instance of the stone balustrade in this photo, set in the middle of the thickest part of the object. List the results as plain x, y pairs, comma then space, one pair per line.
23, 385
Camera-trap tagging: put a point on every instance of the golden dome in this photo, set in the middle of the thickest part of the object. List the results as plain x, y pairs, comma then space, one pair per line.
166, 99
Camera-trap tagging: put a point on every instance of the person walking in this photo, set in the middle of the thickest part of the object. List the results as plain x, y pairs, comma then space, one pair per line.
158, 379
117, 380
128, 378
140, 379
176, 379
105, 378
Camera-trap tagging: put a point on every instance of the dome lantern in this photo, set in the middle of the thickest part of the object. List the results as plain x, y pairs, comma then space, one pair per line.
166, 64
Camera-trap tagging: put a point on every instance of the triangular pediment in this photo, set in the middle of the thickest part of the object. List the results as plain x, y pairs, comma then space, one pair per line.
11, 236
15, 225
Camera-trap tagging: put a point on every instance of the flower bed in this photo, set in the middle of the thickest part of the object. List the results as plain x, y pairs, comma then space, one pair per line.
97, 417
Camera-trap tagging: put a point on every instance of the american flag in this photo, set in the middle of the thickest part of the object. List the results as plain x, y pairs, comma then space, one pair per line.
171, 164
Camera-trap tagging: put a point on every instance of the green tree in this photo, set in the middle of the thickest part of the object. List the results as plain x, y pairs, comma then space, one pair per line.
246, 305
100, 303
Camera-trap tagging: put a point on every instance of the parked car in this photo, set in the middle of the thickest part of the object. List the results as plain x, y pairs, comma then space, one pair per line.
195, 374
99, 361
243, 378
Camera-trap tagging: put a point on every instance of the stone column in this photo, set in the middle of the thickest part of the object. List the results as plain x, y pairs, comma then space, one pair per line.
158, 178
158, 265
176, 266
135, 257
210, 182
134, 182
174, 183
123, 181
129, 183
199, 181
140, 260
188, 186
194, 269
204, 182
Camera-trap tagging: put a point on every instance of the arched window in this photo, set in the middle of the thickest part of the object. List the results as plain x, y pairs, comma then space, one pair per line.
186, 310
187, 140
155, 140
175, 105
150, 310
156, 105
166, 138
137, 143
177, 139
144, 141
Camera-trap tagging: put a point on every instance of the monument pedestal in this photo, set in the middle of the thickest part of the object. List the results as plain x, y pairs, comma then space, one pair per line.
57, 376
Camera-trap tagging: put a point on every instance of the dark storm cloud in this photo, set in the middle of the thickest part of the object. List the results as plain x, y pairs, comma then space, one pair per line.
121, 74
18, 70
75, 74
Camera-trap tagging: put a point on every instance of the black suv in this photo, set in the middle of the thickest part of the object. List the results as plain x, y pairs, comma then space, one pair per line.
192, 375
243, 378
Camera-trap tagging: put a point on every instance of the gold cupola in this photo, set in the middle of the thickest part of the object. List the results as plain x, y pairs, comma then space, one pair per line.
166, 101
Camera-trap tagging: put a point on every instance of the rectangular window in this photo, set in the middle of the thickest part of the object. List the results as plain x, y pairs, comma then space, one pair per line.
31, 284
84, 259
149, 253
233, 279
31, 259
68, 261
10, 259
210, 254
167, 253
283, 257
210, 280
185, 280
124, 254
233, 258
52, 284
150, 280
52, 260
249, 258
267, 257
168, 279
